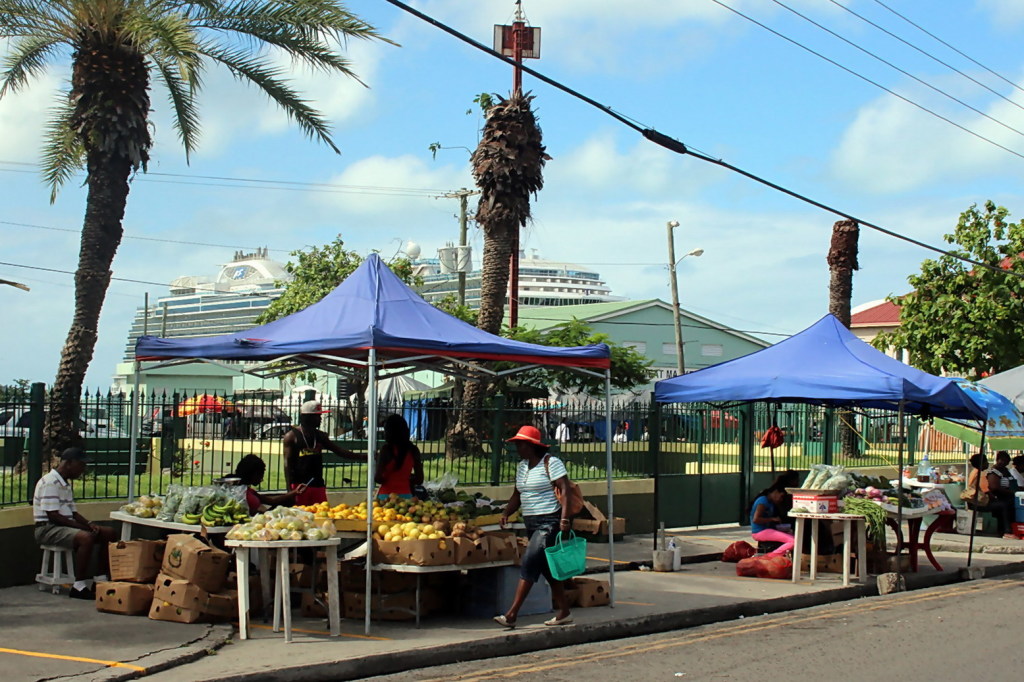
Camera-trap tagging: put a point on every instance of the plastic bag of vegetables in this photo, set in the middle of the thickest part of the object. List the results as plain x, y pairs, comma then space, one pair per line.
171, 502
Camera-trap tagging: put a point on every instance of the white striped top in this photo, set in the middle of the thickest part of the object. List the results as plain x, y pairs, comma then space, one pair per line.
53, 493
535, 492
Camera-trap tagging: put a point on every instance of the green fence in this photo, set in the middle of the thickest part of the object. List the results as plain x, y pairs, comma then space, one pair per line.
191, 438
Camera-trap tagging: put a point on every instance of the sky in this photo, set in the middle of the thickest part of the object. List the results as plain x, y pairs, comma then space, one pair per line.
691, 69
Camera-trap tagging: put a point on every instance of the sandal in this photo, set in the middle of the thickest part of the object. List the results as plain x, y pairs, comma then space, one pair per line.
505, 622
567, 620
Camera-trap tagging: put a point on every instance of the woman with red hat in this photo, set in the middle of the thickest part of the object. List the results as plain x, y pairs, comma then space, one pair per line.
537, 476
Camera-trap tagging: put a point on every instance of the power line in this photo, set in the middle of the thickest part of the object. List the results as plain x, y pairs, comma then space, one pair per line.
891, 65
926, 53
935, 37
678, 147
865, 78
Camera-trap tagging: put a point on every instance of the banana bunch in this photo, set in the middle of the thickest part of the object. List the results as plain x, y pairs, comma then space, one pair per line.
219, 514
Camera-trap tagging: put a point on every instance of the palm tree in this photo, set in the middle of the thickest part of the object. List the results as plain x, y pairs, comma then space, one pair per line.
842, 261
508, 167
102, 124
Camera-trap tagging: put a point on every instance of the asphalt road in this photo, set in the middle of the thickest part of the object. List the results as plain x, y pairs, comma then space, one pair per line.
969, 631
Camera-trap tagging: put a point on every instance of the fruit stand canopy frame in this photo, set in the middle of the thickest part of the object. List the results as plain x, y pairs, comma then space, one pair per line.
373, 320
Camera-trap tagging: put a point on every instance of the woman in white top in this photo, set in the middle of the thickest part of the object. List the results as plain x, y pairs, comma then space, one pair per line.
536, 476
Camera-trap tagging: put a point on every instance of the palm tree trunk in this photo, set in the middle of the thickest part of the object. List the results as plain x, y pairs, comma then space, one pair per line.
842, 261
110, 87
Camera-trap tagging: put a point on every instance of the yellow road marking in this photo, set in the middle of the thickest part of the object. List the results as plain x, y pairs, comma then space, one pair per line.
321, 632
604, 560
685, 640
77, 659
634, 603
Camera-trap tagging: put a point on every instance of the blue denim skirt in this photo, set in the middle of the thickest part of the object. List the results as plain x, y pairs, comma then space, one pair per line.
543, 531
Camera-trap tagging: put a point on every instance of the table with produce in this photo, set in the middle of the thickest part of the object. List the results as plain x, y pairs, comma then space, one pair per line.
188, 509
833, 488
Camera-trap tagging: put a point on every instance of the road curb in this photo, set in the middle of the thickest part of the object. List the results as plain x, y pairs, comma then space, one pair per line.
512, 643
214, 638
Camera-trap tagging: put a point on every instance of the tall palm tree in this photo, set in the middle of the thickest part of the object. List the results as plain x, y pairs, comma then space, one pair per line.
842, 261
508, 167
116, 48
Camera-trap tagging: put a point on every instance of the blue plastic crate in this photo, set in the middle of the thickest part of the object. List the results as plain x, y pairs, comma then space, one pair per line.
1018, 505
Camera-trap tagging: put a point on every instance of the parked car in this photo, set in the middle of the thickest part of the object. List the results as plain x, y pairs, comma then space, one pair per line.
16, 422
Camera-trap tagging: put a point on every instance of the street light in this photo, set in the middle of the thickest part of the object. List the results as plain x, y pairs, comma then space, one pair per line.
672, 263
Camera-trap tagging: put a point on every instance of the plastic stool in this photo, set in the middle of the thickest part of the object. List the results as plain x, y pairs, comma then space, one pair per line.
57, 569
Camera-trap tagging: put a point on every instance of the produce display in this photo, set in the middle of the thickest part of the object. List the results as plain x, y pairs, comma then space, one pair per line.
186, 504
873, 513
144, 506
283, 523
827, 477
394, 509
222, 514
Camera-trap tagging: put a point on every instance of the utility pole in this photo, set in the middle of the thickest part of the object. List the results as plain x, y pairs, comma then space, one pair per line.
463, 196
672, 263
680, 363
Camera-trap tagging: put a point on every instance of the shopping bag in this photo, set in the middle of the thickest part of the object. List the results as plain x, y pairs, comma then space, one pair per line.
737, 551
567, 558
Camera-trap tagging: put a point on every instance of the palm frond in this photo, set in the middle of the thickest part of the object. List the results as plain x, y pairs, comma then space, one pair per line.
26, 60
31, 17
63, 153
271, 80
181, 95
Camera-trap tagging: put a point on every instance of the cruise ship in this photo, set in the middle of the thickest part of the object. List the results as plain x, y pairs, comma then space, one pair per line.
541, 283
202, 306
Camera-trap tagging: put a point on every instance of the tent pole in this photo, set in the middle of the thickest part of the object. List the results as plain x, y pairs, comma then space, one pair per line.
134, 446
371, 449
611, 491
899, 491
977, 491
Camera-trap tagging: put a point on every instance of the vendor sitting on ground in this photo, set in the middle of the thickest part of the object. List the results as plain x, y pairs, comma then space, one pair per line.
59, 523
250, 470
996, 484
764, 518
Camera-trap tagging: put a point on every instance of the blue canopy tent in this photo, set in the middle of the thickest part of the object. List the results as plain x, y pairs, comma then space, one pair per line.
824, 364
373, 323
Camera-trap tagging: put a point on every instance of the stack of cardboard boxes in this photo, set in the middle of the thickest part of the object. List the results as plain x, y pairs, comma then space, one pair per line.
181, 580
593, 524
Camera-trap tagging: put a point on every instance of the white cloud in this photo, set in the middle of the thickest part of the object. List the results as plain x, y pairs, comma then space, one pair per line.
893, 147
23, 117
389, 176
1006, 14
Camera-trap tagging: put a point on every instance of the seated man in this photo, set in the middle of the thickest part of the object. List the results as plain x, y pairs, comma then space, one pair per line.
59, 523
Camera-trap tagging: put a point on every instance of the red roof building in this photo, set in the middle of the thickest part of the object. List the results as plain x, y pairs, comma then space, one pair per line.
871, 319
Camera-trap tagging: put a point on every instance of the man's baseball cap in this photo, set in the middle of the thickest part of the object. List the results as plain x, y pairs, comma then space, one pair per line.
74, 455
531, 434
312, 407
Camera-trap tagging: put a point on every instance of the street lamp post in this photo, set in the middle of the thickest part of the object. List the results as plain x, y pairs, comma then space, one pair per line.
672, 263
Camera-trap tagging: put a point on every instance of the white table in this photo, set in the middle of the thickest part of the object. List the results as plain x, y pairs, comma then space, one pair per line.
847, 520
282, 602
445, 568
127, 521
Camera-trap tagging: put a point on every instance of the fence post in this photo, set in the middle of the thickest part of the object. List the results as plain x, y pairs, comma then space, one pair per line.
497, 442
37, 401
653, 447
828, 435
746, 438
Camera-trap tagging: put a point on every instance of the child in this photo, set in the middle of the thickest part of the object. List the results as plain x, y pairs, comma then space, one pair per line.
250, 470
764, 518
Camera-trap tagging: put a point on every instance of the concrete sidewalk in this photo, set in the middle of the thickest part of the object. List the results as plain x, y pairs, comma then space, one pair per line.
646, 602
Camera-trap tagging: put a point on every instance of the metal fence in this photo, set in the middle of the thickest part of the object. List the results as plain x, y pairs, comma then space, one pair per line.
192, 437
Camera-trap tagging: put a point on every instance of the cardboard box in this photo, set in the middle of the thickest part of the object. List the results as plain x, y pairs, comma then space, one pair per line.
398, 606
190, 558
502, 546
255, 590
180, 592
311, 608
130, 599
593, 521
414, 552
137, 561
222, 605
161, 610
829, 563
352, 576
471, 551
592, 592
301, 575
521, 545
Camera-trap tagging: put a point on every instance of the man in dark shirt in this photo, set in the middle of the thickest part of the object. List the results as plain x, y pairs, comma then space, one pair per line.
303, 454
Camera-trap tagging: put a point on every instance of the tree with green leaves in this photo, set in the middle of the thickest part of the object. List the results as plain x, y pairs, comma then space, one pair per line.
962, 319
102, 121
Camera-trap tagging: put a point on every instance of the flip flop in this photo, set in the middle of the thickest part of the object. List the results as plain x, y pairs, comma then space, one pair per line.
505, 622
559, 621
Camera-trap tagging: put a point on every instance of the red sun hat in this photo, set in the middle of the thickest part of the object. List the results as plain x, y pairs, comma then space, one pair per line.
530, 434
